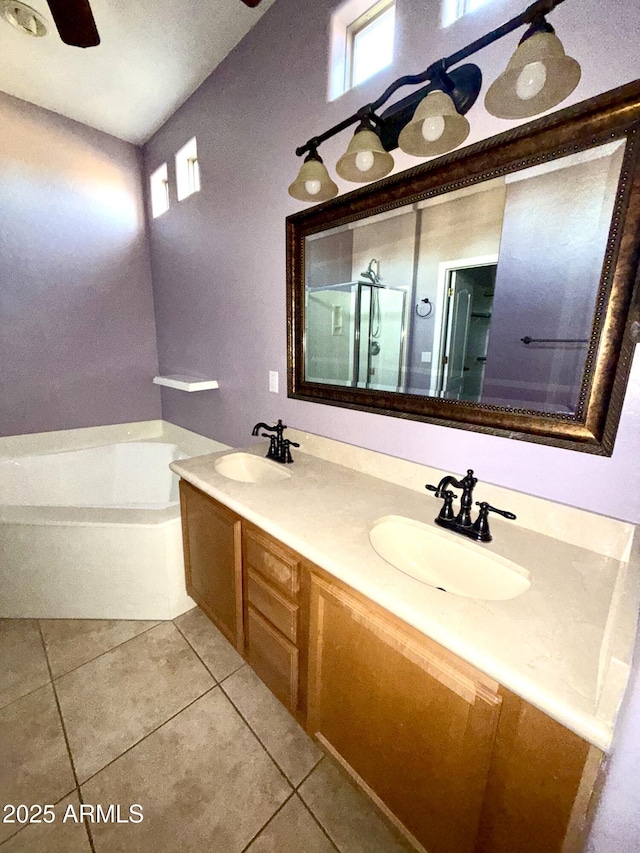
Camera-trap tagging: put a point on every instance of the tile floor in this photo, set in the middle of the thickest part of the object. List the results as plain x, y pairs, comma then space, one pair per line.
165, 715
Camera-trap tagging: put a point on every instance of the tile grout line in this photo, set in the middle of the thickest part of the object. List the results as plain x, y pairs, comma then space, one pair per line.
30, 693
149, 733
106, 652
306, 776
308, 807
22, 828
220, 683
266, 824
66, 737
255, 734
317, 821
193, 649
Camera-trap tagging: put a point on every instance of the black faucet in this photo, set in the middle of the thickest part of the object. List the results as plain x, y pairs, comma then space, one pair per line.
279, 447
461, 523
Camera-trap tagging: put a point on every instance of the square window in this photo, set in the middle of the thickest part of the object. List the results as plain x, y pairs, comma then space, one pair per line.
361, 43
159, 191
454, 9
187, 170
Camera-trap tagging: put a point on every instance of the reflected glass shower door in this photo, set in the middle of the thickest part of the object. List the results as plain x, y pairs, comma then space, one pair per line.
355, 335
381, 337
331, 334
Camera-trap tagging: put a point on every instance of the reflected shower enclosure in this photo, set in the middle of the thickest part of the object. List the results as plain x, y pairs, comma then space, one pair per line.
355, 335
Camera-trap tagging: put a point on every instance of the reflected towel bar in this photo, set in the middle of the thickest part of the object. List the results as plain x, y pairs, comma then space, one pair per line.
528, 340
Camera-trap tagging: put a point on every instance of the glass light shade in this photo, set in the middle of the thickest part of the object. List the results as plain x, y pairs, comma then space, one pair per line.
313, 183
538, 77
365, 158
436, 127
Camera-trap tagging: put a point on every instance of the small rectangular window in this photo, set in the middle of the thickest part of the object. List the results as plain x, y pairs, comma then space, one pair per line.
370, 43
187, 170
454, 9
159, 191
362, 34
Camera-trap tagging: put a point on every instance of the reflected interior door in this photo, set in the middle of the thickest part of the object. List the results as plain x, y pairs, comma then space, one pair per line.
460, 297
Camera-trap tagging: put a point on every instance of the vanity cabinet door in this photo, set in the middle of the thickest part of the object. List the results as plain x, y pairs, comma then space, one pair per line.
541, 781
213, 560
410, 722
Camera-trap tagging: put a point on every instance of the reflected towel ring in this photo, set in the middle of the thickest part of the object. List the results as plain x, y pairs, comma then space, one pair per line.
429, 308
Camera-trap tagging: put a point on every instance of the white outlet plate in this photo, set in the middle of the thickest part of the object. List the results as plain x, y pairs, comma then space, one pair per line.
273, 381
426, 357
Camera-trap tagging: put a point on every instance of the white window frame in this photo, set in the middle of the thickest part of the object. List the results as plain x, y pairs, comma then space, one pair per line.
347, 23
187, 170
453, 10
159, 184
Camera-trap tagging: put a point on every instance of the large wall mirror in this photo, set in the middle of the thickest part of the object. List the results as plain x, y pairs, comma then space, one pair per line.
492, 289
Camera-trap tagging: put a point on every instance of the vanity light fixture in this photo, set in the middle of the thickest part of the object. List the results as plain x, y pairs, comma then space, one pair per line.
365, 159
313, 182
431, 120
539, 76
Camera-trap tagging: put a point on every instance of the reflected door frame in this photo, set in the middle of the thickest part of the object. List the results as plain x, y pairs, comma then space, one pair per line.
445, 268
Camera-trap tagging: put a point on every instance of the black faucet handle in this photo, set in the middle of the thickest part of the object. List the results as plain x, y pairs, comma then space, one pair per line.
286, 456
447, 507
480, 527
446, 513
488, 508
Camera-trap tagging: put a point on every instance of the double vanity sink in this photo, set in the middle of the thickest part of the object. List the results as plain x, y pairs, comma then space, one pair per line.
423, 552
549, 616
482, 679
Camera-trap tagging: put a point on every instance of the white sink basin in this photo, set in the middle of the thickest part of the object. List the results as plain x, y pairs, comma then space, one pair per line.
445, 560
247, 468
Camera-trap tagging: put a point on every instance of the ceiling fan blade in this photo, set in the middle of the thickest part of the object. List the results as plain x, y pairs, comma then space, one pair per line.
74, 22
252, 3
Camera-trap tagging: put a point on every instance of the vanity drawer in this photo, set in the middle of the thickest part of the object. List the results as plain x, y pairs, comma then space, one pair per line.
273, 561
272, 604
273, 658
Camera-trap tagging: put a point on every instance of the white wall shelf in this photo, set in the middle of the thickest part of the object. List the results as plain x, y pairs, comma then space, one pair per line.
186, 383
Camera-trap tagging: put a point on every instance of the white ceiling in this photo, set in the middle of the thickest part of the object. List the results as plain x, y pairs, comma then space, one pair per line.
153, 54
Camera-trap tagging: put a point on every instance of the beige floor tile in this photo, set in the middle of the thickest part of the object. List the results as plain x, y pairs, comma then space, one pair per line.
72, 642
215, 650
203, 780
292, 830
295, 753
61, 836
110, 703
349, 817
23, 665
34, 763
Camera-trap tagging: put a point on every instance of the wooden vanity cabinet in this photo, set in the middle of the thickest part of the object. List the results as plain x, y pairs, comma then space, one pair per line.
457, 762
211, 536
272, 580
540, 785
407, 719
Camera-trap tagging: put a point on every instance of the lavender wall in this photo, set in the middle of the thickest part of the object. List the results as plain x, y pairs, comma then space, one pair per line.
218, 263
218, 258
77, 332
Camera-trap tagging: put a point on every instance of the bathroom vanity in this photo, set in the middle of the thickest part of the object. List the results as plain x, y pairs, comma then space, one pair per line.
475, 726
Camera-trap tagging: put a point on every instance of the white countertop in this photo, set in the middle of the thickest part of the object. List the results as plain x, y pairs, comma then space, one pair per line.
552, 646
